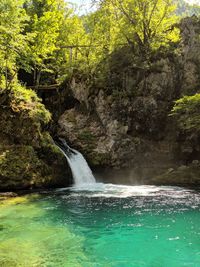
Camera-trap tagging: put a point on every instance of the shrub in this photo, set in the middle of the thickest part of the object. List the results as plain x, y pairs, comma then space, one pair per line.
187, 112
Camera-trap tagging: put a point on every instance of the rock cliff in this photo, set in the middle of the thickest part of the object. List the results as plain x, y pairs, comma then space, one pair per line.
28, 156
121, 119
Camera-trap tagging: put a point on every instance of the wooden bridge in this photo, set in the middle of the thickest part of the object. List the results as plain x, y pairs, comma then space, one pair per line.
53, 87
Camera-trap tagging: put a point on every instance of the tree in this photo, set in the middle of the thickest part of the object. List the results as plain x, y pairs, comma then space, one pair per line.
44, 25
54, 28
147, 24
102, 35
12, 41
71, 44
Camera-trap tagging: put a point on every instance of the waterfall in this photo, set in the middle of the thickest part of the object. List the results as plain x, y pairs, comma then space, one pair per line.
81, 172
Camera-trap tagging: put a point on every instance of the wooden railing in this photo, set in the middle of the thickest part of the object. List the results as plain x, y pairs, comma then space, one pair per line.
45, 87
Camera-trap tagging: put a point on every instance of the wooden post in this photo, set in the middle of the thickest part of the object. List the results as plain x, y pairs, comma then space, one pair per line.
71, 55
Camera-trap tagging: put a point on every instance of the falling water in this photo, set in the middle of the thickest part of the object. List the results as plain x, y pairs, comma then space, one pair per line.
81, 172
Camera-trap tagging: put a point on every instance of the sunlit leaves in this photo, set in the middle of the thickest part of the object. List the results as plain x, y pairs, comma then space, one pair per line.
12, 40
47, 37
186, 111
146, 23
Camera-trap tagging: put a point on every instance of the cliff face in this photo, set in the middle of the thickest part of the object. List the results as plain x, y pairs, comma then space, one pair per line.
28, 156
122, 120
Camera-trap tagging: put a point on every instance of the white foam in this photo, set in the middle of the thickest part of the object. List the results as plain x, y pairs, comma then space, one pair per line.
124, 191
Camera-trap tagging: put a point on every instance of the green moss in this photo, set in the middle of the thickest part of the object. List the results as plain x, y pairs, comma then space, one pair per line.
71, 118
28, 155
47, 142
21, 167
25, 167
26, 102
87, 137
48, 150
99, 159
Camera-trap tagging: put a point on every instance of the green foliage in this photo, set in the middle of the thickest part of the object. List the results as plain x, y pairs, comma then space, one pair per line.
26, 102
101, 38
12, 41
28, 156
48, 39
186, 111
71, 41
45, 22
54, 28
144, 24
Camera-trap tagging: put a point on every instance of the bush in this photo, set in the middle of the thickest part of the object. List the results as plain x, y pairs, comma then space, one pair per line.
187, 112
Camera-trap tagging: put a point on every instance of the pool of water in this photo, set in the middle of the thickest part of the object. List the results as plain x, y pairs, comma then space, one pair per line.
104, 225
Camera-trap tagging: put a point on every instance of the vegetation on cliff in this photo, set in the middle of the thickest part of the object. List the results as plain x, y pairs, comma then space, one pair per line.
28, 156
186, 111
44, 41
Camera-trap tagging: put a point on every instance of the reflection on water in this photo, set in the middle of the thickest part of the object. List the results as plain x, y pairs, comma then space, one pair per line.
102, 225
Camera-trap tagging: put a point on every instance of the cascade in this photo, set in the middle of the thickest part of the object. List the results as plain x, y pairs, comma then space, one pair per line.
81, 171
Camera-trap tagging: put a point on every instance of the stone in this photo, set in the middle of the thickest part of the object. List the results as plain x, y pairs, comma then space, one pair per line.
182, 168
195, 162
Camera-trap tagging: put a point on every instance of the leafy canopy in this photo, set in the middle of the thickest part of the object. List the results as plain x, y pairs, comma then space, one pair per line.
13, 42
48, 39
147, 24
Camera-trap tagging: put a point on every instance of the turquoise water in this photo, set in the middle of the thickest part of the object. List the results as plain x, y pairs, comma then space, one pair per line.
118, 226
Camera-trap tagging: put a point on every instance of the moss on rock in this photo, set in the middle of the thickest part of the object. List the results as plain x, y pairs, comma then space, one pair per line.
28, 155
99, 159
